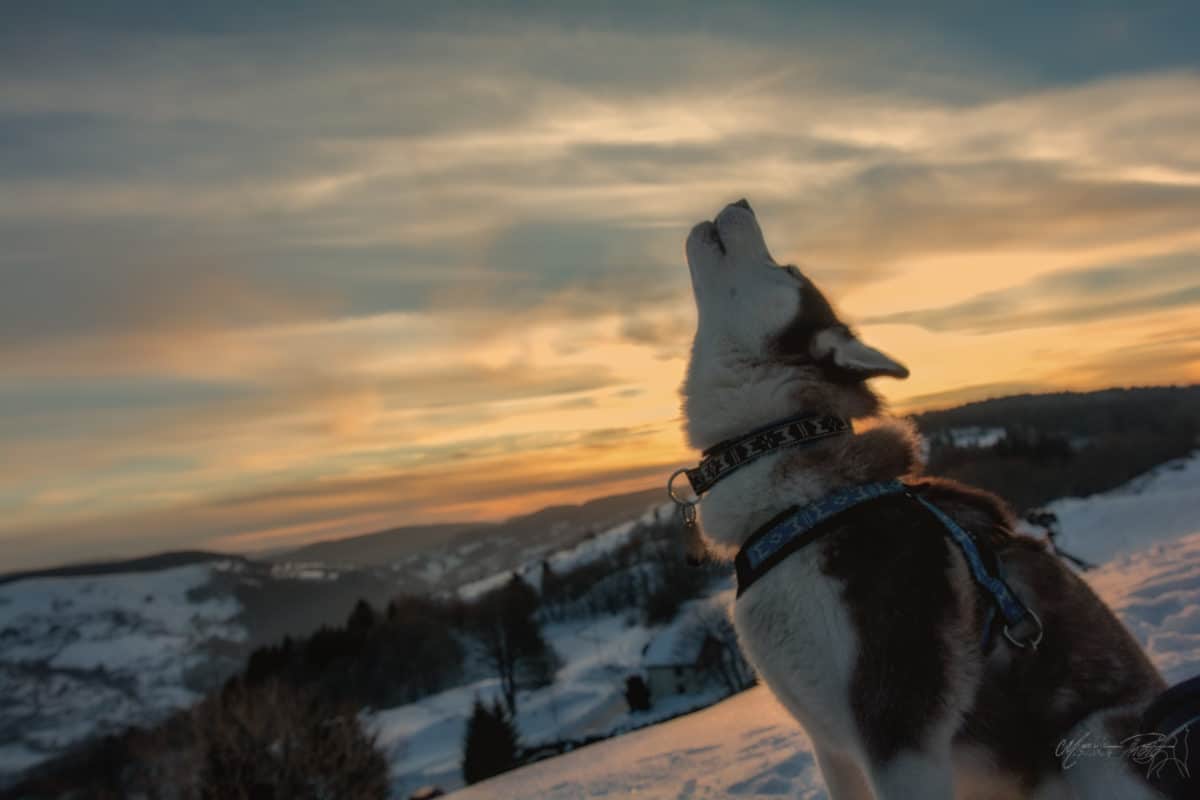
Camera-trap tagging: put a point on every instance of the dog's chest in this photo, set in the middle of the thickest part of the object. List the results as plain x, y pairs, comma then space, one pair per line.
798, 633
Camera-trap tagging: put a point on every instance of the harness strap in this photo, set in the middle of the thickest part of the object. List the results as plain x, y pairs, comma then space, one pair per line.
798, 526
1013, 610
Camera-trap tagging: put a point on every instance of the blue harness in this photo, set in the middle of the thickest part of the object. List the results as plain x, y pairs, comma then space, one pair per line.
799, 526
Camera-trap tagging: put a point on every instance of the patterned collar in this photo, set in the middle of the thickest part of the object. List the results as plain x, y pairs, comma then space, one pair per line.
725, 457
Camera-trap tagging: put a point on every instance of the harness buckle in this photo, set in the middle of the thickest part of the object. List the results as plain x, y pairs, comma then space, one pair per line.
1032, 641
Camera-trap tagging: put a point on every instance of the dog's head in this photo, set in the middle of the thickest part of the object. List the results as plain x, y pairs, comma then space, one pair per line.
768, 344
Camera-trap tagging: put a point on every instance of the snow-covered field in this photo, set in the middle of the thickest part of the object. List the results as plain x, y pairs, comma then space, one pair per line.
82, 656
1146, 536
423, 740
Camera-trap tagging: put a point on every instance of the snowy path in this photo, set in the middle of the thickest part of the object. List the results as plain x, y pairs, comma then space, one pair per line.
1147, 537
746, 746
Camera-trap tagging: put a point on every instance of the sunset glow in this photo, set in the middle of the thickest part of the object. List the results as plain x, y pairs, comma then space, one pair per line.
294, 278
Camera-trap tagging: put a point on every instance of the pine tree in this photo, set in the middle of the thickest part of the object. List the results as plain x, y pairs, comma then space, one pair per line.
637, 693
362, 618
491, 745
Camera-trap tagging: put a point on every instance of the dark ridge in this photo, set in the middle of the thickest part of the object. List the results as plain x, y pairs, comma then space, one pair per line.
1066, 444
152, 563
393, 544
1082, 412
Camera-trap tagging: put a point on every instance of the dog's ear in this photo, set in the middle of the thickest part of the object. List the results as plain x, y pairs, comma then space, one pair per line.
838, 348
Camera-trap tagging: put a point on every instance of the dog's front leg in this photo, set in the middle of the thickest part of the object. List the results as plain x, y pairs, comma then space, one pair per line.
915, 774
843, 777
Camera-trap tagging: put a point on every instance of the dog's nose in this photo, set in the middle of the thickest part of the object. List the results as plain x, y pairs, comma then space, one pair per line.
738, 228
744, 203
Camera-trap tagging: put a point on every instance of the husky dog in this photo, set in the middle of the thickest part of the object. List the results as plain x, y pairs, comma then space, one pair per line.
875, 635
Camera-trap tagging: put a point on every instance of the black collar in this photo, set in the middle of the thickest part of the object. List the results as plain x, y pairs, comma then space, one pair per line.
723, 458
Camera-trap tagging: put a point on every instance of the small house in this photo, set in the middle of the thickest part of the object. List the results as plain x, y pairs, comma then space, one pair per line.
680, 660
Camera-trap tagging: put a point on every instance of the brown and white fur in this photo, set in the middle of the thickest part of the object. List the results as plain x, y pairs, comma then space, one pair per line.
871, 638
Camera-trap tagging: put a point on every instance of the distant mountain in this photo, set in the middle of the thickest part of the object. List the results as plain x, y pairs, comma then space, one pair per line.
1077, 413
153, 563
548, 529
381, 547
1031, 449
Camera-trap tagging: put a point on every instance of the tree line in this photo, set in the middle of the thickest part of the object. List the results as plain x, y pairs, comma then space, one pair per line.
1065, 444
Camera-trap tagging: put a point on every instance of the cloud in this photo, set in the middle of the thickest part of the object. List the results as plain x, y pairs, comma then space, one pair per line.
486, 485
1144, 362
1064, 298
875, 221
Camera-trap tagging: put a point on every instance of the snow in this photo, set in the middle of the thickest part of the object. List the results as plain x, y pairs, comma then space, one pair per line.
975, 436
585, 552
1160, 505
304, 571
608, 542
95, 653
1146, 535
746, 746
17, 757
1157, 594
86, 655
423, 740
676, 646
476, 589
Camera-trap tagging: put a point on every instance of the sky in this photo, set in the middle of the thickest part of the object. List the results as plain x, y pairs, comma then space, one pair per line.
308, 270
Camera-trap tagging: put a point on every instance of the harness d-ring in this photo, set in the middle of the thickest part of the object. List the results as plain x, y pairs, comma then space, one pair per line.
671, 489
1032, 642
687, 508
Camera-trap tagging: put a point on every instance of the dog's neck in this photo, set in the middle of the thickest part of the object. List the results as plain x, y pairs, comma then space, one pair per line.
727, 397
720, 407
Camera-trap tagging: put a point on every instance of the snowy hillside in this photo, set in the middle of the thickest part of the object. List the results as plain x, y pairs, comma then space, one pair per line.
585, 552
1147, 537
423, 740
85, 654
82, 656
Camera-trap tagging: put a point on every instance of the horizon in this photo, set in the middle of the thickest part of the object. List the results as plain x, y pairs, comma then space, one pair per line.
281, 276
458, 525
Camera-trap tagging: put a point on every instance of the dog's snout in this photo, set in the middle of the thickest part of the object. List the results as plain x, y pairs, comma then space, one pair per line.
707, 234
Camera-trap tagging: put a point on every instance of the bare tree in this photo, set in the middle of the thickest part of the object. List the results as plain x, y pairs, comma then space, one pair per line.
726, 662
512, 640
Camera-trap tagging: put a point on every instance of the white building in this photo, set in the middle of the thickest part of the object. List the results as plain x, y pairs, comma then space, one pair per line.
680, 659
